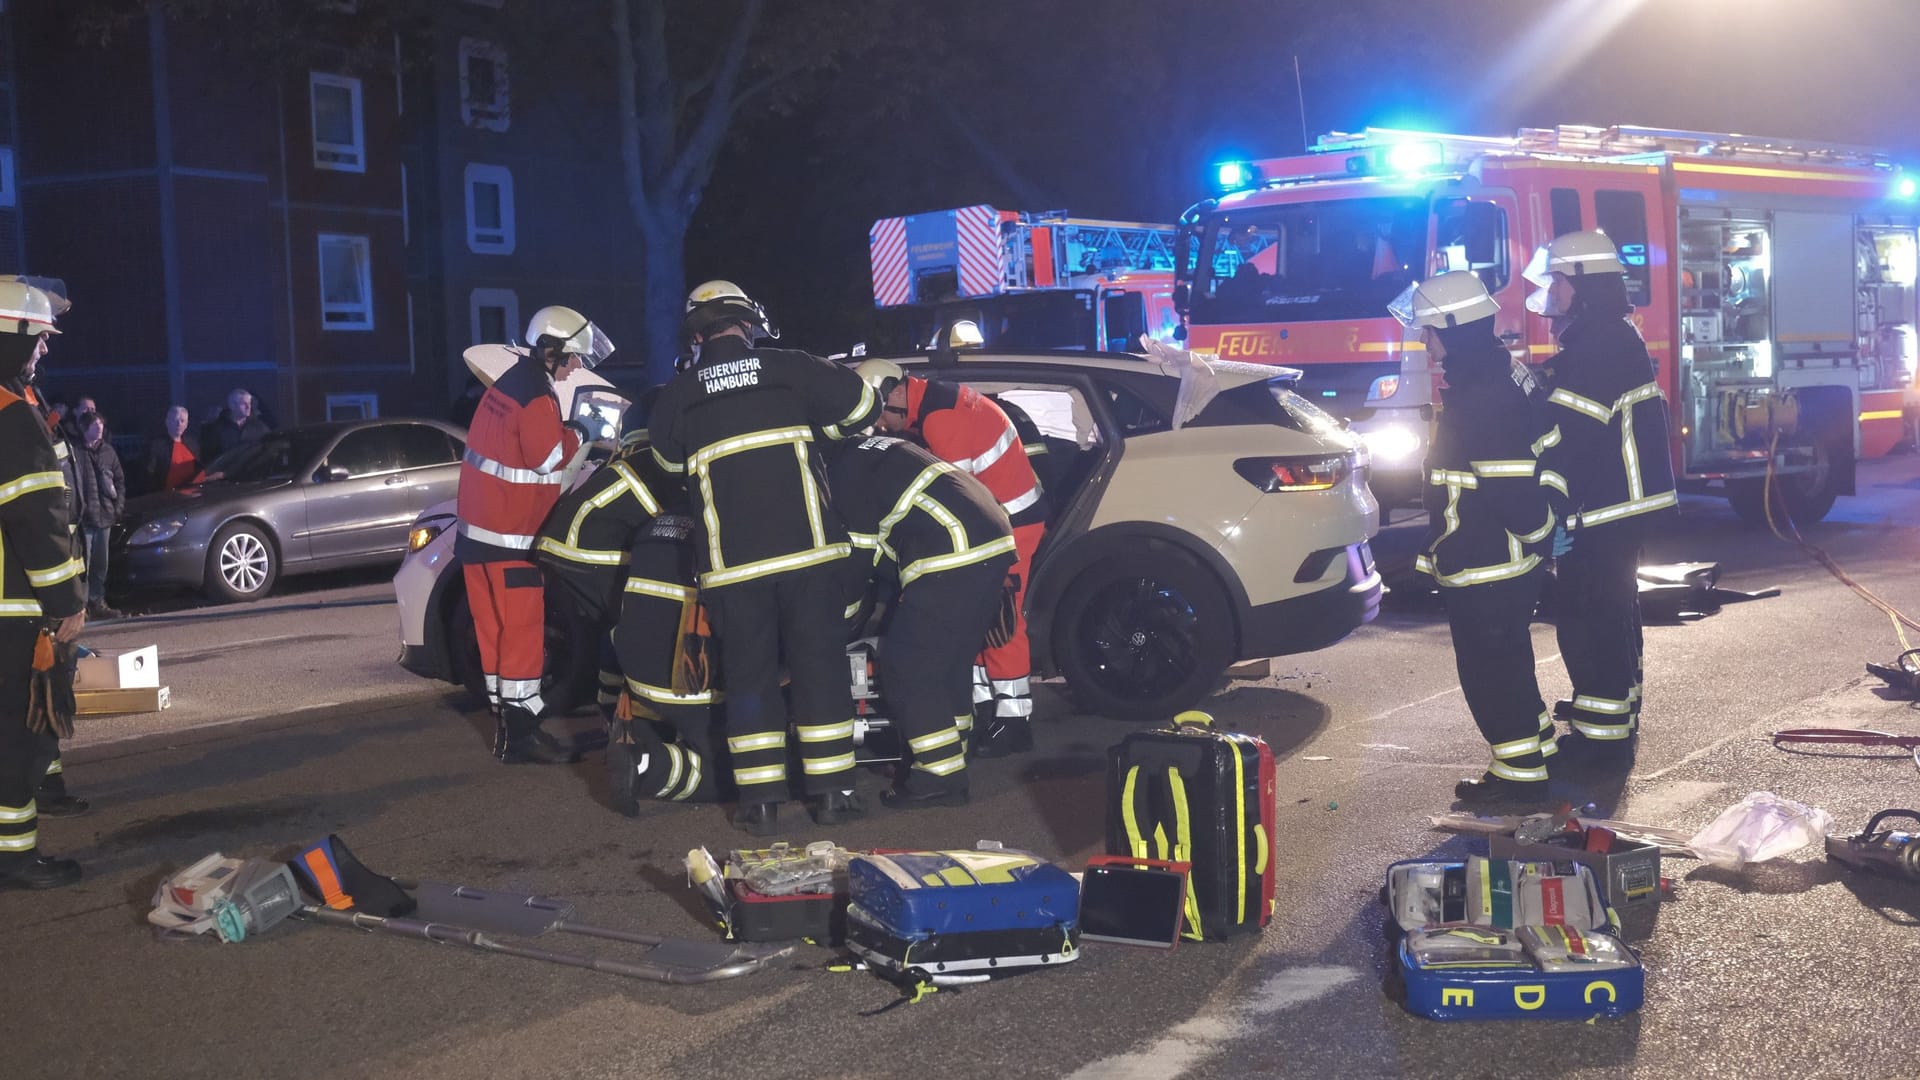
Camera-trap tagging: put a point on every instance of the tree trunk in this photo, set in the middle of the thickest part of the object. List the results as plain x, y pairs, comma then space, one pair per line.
666, 290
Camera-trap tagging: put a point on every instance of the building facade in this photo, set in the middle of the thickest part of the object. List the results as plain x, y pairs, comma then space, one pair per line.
328, 233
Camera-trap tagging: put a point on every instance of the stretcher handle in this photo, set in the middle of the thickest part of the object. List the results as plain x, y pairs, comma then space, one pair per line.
1856, 736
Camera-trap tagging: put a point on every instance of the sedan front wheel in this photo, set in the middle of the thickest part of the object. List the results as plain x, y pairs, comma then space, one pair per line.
242, 564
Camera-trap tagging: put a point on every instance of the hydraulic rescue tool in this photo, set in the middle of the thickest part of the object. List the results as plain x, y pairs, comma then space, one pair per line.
1885, 851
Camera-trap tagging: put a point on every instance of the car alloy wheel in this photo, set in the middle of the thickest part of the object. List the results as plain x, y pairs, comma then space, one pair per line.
1144, 637
244, 561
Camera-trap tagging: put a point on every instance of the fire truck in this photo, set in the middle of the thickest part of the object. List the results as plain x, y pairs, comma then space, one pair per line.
1027, 280
1773, 281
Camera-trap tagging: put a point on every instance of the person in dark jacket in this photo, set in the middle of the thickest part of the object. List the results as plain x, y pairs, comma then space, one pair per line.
236, 424
1606, 460
103, 498
1490, 527
173, 459
741, 423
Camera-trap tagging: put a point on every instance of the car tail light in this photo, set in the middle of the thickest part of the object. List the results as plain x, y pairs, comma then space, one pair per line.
1313, 473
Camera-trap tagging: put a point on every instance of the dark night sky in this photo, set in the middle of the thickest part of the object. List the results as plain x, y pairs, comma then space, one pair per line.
1114, 108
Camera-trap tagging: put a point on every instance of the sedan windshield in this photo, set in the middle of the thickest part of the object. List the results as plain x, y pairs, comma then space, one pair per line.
279, 456
1339, 259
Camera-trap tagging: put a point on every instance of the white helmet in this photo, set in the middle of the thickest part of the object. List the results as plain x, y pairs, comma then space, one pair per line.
1573, 254
713, 304
882, 375
570, 332
26, 308
1450, 299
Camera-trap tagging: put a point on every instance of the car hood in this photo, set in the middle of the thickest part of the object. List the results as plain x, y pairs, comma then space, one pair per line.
164, 504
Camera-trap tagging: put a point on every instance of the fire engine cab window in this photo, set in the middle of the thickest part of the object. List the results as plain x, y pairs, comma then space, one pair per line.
1343, 259
1472, 236
1566, 210
1622, 215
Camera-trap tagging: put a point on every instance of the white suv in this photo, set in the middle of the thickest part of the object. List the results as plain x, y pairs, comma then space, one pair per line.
1202, 516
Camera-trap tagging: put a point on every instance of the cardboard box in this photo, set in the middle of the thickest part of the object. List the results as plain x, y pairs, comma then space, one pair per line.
134, 668
1629, 875
135, 699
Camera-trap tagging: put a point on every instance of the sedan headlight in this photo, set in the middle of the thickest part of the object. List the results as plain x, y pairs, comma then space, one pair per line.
156, 532
424, 532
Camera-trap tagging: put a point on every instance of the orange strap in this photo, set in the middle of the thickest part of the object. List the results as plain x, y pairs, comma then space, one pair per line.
43, 652
322, 870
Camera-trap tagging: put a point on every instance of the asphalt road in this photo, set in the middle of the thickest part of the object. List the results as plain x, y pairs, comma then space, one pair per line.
1791, 968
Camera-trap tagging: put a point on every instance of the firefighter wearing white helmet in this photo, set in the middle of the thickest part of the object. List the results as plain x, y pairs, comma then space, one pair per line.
740, 422
1607, 458
1490, 530
517, 448
41, 589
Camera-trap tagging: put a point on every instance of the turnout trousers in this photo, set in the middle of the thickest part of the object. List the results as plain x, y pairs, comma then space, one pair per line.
509, 619
1002, 678
793, 617
925, 661
1493, 651
1597, 604
19, 833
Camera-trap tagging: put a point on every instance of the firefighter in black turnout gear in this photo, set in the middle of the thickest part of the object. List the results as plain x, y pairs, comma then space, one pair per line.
741, 423
943, 537
1606, 459
1490, 527
41, 587
665, 748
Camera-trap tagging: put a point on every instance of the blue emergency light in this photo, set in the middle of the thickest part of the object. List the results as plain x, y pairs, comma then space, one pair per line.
1415, 157
1235, 175
1906, 187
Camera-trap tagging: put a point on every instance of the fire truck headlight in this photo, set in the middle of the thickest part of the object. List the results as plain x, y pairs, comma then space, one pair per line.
1391, 445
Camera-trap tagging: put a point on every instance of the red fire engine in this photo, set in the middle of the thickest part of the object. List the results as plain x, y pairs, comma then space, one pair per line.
1026, 280
1774, 282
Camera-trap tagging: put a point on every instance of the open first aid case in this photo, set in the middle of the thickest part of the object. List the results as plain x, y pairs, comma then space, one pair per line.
1506, 939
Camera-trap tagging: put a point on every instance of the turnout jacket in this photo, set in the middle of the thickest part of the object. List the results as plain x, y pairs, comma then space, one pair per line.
914, 513
39, 572
742, 426
510, 478
965, 427
587, 535
1488, 512
1605, 452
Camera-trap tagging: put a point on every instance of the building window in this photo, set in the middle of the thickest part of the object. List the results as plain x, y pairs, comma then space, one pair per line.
489, 210
483, 85
339, 136
494, 315
346, 283
353, 406
7, 196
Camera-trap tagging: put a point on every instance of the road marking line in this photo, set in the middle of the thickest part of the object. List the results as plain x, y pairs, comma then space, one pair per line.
1201, 1037
1454, 689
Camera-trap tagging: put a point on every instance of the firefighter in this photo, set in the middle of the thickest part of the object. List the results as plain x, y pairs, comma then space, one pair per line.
741, 422
1606, 458
962, 426
510, 480
40, 580
665, 746
943, 537
1490, 526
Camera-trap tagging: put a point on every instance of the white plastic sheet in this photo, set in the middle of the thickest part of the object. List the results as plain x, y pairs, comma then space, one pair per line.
1759, 827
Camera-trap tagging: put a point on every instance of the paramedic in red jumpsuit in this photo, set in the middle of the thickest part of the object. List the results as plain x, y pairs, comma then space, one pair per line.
517, 449
962, 426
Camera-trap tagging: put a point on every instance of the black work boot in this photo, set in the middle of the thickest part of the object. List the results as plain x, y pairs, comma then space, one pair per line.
61, 805
1003, 737
838, 807
916, 793
38, 872
1582, 752
623, 766
757, 819
519, 739
1488, 788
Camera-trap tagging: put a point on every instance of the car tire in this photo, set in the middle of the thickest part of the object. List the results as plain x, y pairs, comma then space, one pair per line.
242, 564
571, 674
1143, 635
